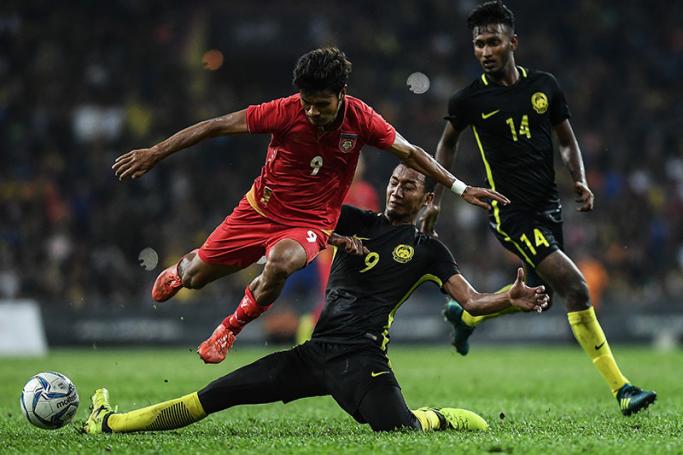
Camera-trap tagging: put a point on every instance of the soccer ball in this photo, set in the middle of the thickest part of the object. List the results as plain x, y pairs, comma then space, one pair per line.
49, 400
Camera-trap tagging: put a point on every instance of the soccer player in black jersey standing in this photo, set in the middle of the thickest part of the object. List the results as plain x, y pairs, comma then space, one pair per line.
347, 355
513, 111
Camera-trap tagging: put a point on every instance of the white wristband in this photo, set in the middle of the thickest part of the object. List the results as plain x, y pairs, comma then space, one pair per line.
458, 187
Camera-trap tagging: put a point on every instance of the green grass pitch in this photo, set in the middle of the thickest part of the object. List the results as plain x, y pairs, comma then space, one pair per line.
537, 400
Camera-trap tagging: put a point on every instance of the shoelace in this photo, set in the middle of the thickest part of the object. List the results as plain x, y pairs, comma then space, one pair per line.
222, 342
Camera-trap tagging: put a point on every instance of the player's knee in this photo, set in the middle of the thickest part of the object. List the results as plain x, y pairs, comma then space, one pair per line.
577, 295
278, 268
191, 282
190, 279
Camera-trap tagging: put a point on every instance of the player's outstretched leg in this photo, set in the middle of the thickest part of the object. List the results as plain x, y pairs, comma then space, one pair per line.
435, 419
384, 409
464, 323
286, 257
191, 273
589, 334
168, 415
564, 277
216, 347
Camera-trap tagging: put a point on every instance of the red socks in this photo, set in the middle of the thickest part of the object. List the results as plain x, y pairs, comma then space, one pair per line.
246, 311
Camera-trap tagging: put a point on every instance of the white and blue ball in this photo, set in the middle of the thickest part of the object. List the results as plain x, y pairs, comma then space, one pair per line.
49, 400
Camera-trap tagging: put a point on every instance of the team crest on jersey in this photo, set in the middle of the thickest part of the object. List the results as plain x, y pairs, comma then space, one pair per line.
539, 102
403, 253
347, 142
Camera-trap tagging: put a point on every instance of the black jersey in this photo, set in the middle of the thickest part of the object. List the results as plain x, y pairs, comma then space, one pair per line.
364, 292
512, 126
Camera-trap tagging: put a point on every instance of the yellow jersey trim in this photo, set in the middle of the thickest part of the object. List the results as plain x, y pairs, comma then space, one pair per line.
494, 204
483, 78
390, 320
251, 199
521, 68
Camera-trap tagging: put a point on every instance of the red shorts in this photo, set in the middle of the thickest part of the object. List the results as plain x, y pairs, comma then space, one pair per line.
245, 236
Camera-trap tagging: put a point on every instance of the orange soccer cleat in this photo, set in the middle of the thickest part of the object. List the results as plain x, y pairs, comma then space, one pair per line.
167, 284
216, 347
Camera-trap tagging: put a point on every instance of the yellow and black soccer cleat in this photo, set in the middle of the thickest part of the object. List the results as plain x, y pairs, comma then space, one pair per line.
100, 412
452, 313
633, 399
459, 419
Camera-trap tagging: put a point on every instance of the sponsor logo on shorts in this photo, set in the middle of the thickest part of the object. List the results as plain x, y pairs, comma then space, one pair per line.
311, 237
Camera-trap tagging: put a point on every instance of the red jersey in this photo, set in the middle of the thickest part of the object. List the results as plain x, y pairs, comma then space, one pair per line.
308, 172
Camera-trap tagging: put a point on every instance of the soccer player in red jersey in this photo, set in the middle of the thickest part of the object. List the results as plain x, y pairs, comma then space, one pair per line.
293, 206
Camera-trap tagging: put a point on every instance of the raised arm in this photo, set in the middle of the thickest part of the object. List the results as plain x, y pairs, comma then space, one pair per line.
136, 163
477, 303
571, 157
446, 151
416, 158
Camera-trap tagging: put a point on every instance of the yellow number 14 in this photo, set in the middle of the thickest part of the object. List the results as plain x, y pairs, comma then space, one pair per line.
523, 128
539, 239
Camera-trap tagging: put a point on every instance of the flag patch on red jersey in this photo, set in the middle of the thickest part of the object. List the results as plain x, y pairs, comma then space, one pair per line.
347, 142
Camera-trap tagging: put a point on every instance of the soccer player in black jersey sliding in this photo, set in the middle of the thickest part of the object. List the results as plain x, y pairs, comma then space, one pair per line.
513, 111
347, 355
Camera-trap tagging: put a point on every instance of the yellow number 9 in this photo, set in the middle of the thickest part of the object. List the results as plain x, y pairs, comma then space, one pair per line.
371, 260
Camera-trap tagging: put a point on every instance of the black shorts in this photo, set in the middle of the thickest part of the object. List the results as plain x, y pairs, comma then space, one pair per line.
531, 235
347, 372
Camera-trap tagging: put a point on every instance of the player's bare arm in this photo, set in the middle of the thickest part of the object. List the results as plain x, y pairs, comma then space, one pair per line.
416, 158
571, 157
446, 151
352, 245
519, 295
136, 163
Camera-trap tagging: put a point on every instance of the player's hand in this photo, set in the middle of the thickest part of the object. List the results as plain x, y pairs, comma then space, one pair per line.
477, 196
135, 163
352, 245
584, 197
428, 219
526, 298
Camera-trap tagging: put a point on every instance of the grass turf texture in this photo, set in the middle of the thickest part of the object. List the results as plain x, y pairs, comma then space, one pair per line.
537, 400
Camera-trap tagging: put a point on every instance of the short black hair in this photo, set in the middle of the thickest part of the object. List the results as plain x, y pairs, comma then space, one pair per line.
493, 12
322, 69
427, 182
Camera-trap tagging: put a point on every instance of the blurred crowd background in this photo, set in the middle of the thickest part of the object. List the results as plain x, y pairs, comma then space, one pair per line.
86, 81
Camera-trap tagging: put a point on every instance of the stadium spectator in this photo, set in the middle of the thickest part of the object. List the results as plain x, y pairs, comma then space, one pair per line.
77, 89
